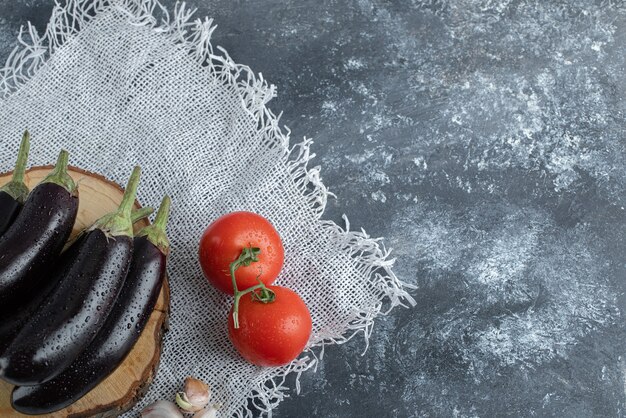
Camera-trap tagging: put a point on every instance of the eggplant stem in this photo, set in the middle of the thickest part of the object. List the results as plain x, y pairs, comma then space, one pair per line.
59, 174
62, 162
130, 193
163, 214
139, 214
16, 187
119, 222
155, 233
22, 159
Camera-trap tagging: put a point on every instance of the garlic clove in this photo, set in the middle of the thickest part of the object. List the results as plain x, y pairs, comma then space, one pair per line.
195, 395
161, 409
208, 412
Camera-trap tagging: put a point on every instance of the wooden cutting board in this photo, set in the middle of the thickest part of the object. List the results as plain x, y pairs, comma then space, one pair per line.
127, 384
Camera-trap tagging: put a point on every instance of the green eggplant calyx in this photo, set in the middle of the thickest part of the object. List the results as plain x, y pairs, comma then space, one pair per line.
155, 233
59, 174
142, 213
136, 216
17, 191
16, 187
120, 222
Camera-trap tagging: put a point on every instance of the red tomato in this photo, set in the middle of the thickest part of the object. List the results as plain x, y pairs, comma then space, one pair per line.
223, 241
271, 334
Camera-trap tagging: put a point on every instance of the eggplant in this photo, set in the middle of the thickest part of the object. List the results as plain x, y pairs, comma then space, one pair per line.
69, 319
119, 333
33, 242
13, 194
12, 324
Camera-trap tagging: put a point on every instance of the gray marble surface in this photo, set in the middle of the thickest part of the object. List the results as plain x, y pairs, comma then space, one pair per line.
485, 140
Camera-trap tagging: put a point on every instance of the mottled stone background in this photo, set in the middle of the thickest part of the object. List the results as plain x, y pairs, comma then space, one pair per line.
485, 140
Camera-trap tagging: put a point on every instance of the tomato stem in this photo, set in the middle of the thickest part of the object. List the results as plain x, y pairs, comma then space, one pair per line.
248, 256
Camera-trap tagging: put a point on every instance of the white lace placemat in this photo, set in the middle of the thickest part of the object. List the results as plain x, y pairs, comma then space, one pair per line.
120, 83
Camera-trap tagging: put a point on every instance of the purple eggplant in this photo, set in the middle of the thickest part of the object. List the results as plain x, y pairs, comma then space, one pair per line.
14, 321
69, 319
33, 242
13, 194
119, 333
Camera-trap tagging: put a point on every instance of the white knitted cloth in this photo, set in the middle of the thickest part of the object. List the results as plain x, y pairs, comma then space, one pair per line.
120, 83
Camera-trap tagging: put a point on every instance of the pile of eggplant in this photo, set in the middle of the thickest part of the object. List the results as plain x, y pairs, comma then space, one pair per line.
70, 312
